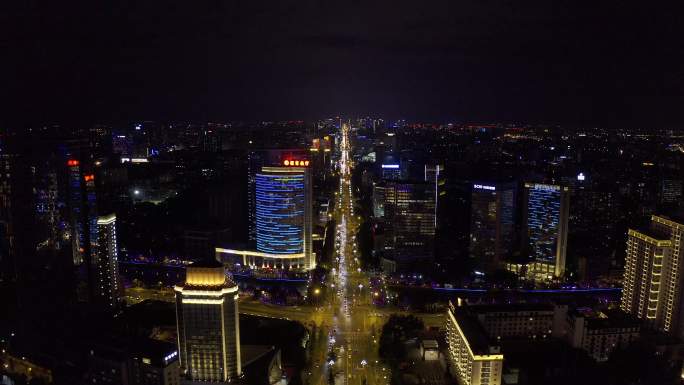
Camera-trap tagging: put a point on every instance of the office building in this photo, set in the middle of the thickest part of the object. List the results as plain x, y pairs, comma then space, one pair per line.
378, 200
391, 168
208, 325
391, 171
671, 190
256, 159
473, 359
44, 246
281, 194
435, 174
652, 282
600, 333
283, 216
520, 321
492, 224
142, 361
107, 265
409, 225
546, 218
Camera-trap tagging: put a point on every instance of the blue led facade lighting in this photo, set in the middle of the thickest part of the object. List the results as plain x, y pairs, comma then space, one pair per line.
280, 212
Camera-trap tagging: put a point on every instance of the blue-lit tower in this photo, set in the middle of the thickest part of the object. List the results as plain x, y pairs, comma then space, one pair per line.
547, 228
283, 216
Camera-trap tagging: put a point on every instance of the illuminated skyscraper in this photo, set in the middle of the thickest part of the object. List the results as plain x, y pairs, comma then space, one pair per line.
491, 224
547, 228
256, 159
283, 214
208, 325
107, 265
281, 201
653, 275
409, 224
435, 174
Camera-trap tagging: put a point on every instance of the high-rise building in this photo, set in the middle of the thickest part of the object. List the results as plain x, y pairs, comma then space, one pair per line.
107, 265
409, 224
671, 190
208, 325
283, 214
84, 229
256, 159
37, 233
435, 174
652, 283
546, 220
391, 168
378, 200
473, 359
492, 224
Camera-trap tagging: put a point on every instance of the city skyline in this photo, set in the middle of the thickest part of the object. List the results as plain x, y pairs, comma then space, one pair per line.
342, 193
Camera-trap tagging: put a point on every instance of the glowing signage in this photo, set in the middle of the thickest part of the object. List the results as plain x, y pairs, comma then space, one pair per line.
484, 187
135, 160
170, 356
72, 162
288, 162
547, 187
89, 177
581, 176
390, 166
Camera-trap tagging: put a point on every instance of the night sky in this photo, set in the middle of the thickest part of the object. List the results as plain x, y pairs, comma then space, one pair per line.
588, 63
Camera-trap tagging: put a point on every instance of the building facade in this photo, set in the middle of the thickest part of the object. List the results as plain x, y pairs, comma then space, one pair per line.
472, 360
599, 334
492, 224
133, 362
546, 218
378, 200
409, 224
652, 282
520, 321
256, 159
107, 265
284, 218
208, 325
435, 174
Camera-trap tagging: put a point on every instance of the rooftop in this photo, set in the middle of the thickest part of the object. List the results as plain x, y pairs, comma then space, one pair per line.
474, 332
520, 307
606, 319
